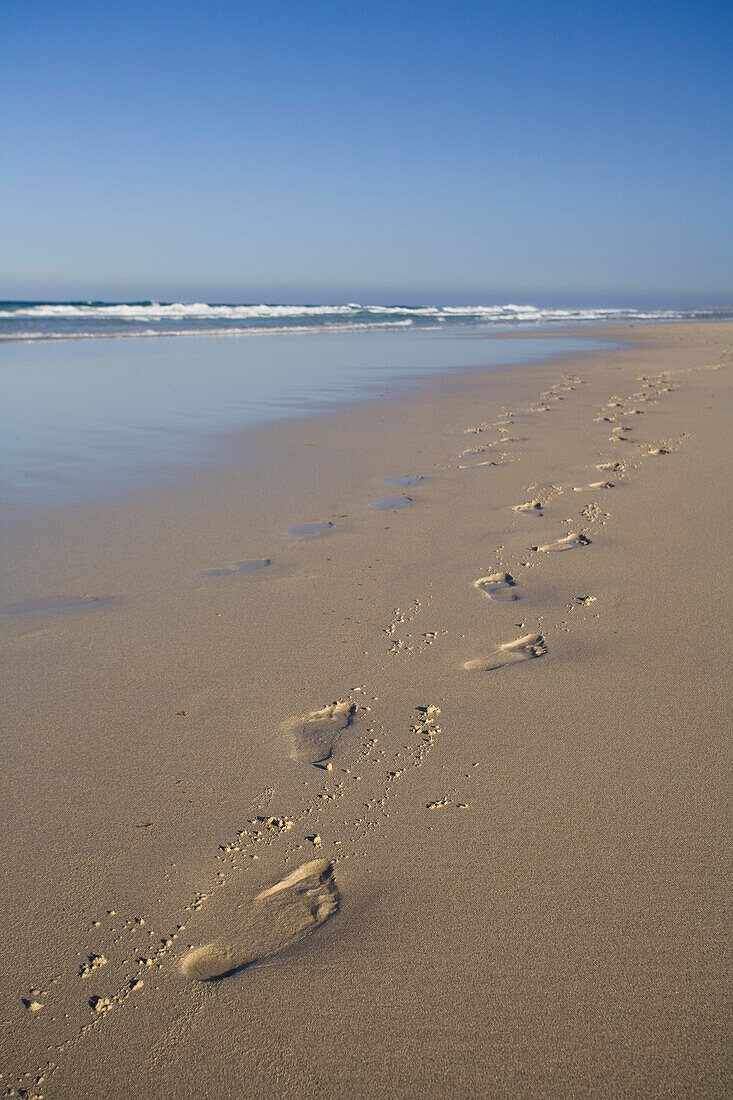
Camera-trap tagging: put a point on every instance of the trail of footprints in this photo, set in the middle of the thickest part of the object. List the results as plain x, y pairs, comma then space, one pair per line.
255, 926
501, 585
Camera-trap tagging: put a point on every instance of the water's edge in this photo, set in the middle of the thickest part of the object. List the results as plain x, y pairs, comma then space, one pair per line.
97, 420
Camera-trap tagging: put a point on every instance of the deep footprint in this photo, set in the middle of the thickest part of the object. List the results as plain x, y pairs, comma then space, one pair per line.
237, 567
498, 586
529, 508
274, 920
570, 542
314, 737
523, 649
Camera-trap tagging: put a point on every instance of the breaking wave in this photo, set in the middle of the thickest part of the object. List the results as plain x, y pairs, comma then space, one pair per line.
74, 320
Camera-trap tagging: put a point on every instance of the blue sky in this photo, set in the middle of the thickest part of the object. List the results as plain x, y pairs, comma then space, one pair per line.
556, 152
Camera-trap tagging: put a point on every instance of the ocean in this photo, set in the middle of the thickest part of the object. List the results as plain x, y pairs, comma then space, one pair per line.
29, 321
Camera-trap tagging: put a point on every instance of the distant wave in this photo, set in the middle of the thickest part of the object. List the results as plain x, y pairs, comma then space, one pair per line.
77, 320
153, 311
148, 311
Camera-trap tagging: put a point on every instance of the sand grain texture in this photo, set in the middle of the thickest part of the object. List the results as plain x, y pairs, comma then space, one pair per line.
533, 865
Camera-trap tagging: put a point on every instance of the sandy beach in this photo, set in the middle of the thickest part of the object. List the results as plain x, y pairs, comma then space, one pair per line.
473, 723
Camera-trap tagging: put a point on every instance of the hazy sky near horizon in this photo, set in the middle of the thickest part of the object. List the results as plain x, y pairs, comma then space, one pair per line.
555, 152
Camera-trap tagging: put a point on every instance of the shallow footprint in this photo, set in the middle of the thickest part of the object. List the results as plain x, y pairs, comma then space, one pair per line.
570, 542
387, 503
51, 605
403, 482
522, 649
498, 586
312, 528
274, 920
237, 567
314, 736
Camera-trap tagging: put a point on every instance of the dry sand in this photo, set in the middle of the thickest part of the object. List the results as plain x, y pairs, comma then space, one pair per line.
490, 720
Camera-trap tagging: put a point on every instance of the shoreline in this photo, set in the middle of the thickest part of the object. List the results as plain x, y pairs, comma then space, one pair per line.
230, 450
174, 453
508, 868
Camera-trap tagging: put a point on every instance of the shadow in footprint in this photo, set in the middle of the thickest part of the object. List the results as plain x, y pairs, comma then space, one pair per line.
314, 736
498, 586
523, 649
274, 920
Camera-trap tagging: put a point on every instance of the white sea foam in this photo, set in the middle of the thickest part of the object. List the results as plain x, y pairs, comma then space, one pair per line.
73, 320
150, 311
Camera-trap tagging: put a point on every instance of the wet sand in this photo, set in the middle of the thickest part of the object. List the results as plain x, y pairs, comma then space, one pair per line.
431, 801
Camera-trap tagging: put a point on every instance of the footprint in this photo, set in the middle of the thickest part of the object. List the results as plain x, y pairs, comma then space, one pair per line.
529, 508
570, 542
51, 605
387, 503
601, 485
523, 649
313, 737
274, 920
311, 528
402, 482
498, 586
237, 567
